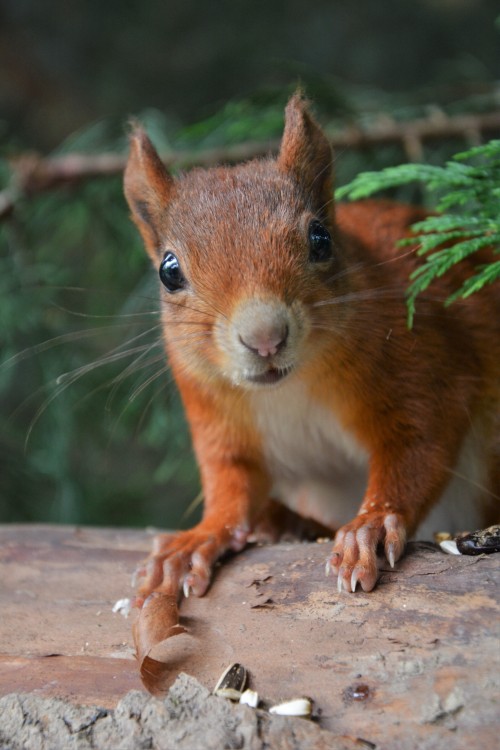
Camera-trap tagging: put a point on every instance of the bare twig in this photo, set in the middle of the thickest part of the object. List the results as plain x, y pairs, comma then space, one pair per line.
32, 174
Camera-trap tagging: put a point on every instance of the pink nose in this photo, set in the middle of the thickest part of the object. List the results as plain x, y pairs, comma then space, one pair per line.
265, 343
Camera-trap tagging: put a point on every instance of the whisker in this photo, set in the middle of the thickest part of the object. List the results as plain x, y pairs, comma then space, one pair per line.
57, 340
168, 381
147, 382
70, 376
115, 353
354, 268
65, 380
139, 363
165, 369
73, 375
320, 174
103, 386
184, 306
471, 482
360, 296
195, 503
77, 314
132, 367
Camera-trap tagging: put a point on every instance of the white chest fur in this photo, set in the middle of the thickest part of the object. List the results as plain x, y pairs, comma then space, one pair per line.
318, 469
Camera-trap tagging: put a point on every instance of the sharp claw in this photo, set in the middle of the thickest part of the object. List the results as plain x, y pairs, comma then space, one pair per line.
390, 552
328, 568
186, 588
339, 584
354, 579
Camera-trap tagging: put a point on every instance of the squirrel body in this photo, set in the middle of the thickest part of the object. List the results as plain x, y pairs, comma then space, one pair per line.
285, 327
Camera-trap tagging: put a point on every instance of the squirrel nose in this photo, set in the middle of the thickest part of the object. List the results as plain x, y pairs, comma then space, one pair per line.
265, 343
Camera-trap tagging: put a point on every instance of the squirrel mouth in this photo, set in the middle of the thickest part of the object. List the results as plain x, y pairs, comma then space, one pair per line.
269, 377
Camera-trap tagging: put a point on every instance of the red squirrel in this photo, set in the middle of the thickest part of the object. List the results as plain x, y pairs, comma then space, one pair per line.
284, 319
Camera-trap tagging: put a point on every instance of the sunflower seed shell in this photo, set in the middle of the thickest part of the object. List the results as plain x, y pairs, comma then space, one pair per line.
234, 678
450, 547
296, 707
250, 698
229, 693
123, 606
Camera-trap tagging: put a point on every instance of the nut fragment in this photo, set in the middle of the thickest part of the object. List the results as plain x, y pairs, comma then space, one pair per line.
442, 536
229, 693
450, 547
296, 707
233, 678
250, 698
482, 542
123, 606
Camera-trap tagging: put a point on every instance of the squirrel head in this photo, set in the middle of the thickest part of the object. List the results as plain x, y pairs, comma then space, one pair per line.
243, 251
305, 156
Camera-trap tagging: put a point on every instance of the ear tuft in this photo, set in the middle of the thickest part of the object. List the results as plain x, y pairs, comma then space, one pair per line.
147, 186
305, 152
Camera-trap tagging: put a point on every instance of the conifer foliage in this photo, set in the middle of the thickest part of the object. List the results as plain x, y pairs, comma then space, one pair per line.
467, 218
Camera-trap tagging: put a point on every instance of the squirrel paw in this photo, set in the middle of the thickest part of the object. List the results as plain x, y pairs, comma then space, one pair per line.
184, 561
354, 555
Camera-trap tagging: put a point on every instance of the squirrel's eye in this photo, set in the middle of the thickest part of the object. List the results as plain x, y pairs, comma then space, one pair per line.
320, 242
170, 273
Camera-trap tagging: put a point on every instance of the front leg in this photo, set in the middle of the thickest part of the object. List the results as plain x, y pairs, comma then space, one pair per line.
404, 482
233, 482
184, 561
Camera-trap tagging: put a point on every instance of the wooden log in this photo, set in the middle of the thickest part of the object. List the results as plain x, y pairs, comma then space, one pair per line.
414, 663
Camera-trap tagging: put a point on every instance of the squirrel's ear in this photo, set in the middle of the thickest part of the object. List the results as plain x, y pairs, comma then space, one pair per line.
306, 153
148, 187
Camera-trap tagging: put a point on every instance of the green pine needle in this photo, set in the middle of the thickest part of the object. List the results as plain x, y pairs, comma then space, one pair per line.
469, 188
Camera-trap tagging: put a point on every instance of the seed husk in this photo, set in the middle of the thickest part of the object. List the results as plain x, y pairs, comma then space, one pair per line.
250, 698
123, 606
296, 707
229, 693
450, 547
482, 542
233, 678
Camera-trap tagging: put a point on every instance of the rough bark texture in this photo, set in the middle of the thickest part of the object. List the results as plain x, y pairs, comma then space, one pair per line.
415, 663
189, 718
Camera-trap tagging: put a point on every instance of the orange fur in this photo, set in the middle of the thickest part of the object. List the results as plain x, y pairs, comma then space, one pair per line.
254, 309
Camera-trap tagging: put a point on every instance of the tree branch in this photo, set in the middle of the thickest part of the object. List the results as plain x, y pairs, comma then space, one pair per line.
32, 174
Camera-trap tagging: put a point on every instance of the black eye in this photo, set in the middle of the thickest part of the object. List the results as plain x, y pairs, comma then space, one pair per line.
170, 273
320, 242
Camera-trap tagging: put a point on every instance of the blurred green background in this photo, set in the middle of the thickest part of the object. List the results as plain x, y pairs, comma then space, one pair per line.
91, 429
